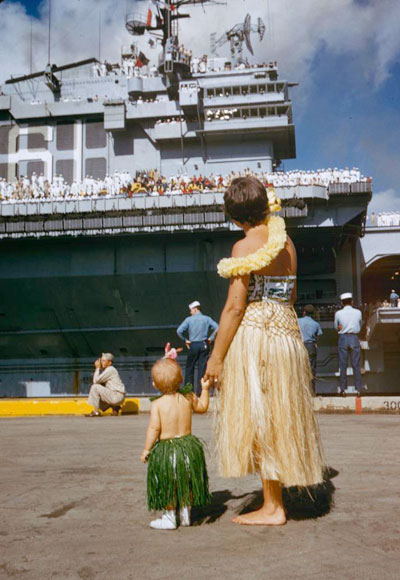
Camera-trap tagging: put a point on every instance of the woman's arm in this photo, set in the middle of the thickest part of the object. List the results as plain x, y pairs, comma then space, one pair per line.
231, 318
292, 266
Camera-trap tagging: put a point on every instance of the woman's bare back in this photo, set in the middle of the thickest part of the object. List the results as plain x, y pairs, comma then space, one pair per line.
285, 264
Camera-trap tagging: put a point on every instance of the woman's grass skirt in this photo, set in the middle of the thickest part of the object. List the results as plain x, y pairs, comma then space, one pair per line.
177, 474
265, 420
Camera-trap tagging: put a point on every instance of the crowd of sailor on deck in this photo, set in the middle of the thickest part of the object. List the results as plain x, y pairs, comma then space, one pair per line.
139, 66
207, 64
387, 303
385, 219
151, 182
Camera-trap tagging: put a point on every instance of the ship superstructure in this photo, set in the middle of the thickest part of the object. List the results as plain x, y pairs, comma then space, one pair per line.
176, 115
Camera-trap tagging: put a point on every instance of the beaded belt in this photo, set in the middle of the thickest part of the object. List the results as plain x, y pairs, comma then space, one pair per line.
273, 316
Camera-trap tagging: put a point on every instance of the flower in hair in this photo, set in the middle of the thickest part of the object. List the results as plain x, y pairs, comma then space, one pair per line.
171, 352
274, 202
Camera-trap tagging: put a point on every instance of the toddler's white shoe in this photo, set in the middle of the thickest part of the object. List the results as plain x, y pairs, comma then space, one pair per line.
184, 516
166, 522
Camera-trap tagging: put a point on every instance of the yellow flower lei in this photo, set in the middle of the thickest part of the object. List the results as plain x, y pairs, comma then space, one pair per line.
228, 267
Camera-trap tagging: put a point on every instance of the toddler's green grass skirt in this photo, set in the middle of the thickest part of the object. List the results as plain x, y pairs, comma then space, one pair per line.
177, 474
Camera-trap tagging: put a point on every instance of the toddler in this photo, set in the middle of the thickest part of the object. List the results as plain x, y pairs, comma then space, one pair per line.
177, 474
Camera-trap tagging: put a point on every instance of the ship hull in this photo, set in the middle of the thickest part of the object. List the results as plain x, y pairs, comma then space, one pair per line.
65, 301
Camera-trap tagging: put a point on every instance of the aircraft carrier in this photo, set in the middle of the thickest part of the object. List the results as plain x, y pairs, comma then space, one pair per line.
100, 273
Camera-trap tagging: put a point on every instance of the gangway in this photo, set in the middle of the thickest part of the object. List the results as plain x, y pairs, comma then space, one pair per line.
384, 325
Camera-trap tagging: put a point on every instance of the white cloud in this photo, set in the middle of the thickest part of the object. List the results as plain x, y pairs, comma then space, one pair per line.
74, 34
296, 31
387, 200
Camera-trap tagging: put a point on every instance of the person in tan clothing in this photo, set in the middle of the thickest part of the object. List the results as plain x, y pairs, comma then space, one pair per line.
107, 390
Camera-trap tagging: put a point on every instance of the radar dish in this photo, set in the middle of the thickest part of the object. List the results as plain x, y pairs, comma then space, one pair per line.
246, 33
136, 23
260, 28
247, 24
240, 34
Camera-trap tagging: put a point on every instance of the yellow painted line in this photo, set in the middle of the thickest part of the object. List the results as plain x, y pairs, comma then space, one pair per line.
58, 406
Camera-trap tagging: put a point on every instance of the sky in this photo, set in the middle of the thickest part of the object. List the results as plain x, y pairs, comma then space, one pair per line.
345, 55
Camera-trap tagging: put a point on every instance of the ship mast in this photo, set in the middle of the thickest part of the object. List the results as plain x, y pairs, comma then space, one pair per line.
167, 12
173, 62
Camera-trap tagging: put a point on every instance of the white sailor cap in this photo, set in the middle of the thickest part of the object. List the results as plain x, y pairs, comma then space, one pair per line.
346, 296
194, 304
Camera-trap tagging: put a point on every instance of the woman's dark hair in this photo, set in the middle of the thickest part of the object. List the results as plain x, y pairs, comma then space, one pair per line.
246, 200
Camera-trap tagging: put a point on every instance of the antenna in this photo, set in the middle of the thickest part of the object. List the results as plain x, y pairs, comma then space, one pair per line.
50, 78
100, 35
31, 51
48, 48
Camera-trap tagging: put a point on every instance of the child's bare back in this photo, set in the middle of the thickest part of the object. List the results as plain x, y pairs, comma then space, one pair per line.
175, 413
171, 414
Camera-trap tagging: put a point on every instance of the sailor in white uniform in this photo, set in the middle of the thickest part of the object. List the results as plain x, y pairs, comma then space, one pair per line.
348, 322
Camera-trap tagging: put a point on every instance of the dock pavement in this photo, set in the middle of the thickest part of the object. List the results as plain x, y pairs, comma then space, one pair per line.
73, 507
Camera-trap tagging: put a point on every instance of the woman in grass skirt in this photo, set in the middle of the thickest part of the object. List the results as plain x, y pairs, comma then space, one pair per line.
264, 413
177, 474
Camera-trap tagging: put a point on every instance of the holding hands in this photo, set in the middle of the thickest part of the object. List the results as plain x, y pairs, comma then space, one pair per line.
213, 371
205, 385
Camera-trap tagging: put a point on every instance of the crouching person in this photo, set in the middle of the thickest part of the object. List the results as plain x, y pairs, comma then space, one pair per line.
107, 390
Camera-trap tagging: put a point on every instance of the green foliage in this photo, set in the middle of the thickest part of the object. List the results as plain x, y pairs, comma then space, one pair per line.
185, 390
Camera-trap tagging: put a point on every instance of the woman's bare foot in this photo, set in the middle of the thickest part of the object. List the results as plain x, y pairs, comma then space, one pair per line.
262, 517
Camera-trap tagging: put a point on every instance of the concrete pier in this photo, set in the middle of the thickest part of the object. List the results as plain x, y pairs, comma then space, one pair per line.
73, 507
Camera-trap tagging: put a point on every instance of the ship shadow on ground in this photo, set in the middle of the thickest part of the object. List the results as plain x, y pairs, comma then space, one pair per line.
300, 503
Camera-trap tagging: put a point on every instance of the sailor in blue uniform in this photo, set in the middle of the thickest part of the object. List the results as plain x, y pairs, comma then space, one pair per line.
348, 324
195, 331
393, 298
310, 331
